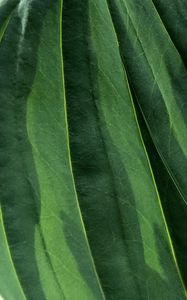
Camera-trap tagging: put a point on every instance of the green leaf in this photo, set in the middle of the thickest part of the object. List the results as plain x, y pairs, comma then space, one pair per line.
173, 204
42, 219
172, 13
81, 214
6, 8
157, 76
8, 277
118, 197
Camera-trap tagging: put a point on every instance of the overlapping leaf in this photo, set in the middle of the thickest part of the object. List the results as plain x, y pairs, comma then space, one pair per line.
42, 220
158, 79
90, 224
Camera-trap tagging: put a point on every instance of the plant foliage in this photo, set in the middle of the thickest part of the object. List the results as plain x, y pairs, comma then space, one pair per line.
93, 149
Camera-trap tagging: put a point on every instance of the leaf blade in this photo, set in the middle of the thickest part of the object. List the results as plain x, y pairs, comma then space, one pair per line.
104, 99
42, 191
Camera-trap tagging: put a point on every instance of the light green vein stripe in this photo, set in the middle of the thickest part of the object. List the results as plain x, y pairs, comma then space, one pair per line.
4, 26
